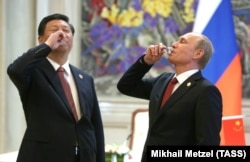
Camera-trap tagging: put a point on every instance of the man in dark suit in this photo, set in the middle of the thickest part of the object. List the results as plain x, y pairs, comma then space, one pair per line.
53, 134
193, 113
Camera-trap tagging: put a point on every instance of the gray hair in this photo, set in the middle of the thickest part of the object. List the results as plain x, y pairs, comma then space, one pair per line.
205, 44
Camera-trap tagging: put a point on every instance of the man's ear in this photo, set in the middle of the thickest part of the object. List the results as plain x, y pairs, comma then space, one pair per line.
40, 39
199, 53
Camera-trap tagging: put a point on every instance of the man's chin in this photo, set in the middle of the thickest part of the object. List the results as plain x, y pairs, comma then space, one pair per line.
62, 49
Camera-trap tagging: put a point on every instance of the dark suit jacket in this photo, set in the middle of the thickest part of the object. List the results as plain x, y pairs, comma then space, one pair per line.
52, 132
191, 116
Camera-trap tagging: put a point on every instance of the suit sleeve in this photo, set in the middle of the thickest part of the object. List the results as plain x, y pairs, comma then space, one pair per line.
132, 82
21, 69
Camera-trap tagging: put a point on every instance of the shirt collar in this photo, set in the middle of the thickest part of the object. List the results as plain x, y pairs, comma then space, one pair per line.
56, 65
183, 76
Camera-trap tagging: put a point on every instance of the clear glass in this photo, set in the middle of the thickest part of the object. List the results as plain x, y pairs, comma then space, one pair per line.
169, 50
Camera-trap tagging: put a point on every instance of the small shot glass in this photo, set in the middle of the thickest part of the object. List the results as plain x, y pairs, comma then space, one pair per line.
169, 50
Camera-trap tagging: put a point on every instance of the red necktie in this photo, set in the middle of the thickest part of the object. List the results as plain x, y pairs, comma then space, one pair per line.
67, 91
168, 90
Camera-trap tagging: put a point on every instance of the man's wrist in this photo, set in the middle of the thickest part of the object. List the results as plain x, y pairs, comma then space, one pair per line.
143, 62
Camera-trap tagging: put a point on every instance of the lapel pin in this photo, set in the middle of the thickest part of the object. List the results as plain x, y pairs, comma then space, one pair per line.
189, 84
80, 76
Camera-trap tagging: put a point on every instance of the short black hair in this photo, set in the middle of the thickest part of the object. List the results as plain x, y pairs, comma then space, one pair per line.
56, 16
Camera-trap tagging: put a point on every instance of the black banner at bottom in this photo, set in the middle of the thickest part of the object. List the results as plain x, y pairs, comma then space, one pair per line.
215, 153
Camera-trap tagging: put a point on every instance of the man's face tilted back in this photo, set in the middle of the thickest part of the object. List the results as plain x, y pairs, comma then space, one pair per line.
185, 55
66, 34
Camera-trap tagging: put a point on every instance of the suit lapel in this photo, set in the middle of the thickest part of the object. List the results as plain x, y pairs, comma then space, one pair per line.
80, 80
156, 103
161, 91
180, 91
52, 77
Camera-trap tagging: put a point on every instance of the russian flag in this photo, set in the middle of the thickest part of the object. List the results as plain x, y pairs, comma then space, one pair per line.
214, 18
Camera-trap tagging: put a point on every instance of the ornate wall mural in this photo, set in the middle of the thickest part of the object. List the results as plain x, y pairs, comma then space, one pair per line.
116, 32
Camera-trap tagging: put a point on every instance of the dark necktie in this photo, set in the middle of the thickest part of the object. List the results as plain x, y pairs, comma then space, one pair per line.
168, 91
67, 91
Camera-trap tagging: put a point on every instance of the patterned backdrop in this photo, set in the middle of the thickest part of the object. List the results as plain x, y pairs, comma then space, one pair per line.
116, 32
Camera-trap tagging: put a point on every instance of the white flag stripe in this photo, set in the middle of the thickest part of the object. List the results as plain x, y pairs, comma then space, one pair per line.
205, 11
